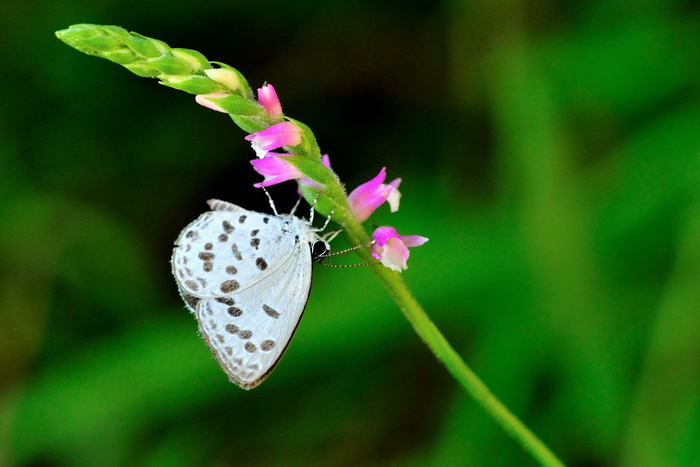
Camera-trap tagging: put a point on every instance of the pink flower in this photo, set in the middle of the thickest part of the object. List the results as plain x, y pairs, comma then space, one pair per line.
306, 181
273, 137
370, 195
201, 99
267, 96
276, 168
392, 249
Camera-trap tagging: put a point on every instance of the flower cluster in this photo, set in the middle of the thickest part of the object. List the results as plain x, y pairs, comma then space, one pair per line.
276, 167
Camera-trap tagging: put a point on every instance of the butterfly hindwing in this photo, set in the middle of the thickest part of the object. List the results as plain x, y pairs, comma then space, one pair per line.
248, 331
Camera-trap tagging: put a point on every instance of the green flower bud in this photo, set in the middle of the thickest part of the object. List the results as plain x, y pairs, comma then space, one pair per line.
79, 35
144, 46
233, 78
194, 84
120, 56
226, 77
237, 105
193, 59
95, 42
142, 69
249, 124
168, 65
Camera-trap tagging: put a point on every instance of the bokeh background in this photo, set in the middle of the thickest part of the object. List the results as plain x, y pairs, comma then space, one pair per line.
550, 150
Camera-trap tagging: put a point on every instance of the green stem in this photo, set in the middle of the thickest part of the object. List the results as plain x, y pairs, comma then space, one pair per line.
444, 352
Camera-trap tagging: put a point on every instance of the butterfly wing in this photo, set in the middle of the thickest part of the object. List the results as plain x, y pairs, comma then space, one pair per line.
249, 331
246, 276
228, 249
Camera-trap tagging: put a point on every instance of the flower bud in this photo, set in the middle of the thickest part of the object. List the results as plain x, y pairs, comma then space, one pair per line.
195, 61
276, 168
194, 84
169, 65
229, 103
267, 96
366, 198
144, 46
228, 78
273, 137
142, 69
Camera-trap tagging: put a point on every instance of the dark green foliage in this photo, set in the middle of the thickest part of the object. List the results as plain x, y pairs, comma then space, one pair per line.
551, 153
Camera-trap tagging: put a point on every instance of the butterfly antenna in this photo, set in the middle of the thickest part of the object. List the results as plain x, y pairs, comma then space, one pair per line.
370, 263
348, 250
269, 198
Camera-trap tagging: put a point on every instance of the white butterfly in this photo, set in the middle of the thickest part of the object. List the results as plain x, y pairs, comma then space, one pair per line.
246, 276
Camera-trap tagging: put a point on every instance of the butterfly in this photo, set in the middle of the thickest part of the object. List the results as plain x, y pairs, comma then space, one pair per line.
246, 277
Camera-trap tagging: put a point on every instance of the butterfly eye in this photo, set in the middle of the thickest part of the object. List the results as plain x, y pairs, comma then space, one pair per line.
319, 250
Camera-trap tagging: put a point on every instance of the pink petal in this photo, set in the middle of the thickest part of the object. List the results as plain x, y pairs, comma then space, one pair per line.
395, 182
267, 96
275, 169
273, 137
366, 198
326, 160
367, 189
391, 248
381, 235
413, 240
394, 195
395, 255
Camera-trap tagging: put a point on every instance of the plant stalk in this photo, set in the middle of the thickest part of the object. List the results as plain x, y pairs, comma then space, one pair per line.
445, 353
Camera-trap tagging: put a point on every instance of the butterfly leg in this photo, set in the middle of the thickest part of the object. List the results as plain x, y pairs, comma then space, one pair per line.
296, 205
272, 203
325, 224
331, 235
313, 208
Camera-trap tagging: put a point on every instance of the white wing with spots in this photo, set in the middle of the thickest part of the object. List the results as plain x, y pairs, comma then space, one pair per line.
230, 248
246, 276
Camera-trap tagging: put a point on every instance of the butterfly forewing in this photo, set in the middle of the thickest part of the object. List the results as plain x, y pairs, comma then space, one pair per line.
246, 275
224, 251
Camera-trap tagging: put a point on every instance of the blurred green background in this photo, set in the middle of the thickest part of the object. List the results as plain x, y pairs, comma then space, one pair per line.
550, 150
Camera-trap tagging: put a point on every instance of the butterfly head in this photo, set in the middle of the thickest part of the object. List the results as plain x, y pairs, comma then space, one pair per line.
319, 250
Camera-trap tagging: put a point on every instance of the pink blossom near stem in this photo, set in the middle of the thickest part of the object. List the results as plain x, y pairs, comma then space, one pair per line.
366, 198
276, 168
201, 99
273, 137
307, 182
267, 97
392, 249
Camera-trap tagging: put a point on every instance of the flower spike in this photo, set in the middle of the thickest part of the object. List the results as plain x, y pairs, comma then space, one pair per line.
366, 198
392, 249
191, 72
273, 137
